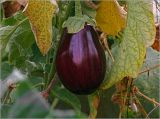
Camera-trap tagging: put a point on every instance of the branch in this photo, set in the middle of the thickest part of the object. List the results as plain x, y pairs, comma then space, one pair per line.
149, 99
140, 107
148, 69
46, 92
151, 111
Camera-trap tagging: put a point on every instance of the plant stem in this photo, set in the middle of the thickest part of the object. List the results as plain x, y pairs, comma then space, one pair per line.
46, 92
46, 75
52, 83
105, 41
78, 10
53, 69
7, 95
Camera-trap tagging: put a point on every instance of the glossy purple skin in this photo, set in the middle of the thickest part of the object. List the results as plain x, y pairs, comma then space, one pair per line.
80, 61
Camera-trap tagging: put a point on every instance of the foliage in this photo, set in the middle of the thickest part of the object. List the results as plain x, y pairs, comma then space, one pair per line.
22, 49
130, 53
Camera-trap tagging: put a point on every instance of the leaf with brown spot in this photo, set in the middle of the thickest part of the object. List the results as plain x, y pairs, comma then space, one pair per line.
40, 15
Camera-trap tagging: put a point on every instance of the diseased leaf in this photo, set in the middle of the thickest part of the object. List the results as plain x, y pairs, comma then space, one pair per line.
40, 13
110, 17
129, 55
10, 8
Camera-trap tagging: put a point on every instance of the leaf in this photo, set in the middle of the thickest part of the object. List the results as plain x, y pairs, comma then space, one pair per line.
29, 103
19, 45
21, 42
110, 17
5, 33
94, 101
40, 15
66, 96
148, 82
76, 23
5, 70
4, 110
129, 55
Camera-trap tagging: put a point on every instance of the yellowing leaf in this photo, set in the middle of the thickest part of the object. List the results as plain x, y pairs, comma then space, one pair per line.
110, 17
40, 13
129, 55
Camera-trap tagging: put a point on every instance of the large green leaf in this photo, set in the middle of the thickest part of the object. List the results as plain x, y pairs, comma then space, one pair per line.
5, 33
66, 96
21, 42
148, 82
29, 103
129, 55
17, 39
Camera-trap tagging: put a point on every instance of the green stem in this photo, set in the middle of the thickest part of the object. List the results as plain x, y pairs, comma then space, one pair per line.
54, 103
1, 13
53, 69
7, 96
45, 70
78, 10
37, 85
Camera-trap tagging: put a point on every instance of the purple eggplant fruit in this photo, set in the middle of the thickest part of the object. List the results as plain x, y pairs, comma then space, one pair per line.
80, 61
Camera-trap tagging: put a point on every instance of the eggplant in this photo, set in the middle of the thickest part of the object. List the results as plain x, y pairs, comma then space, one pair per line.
80, 61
